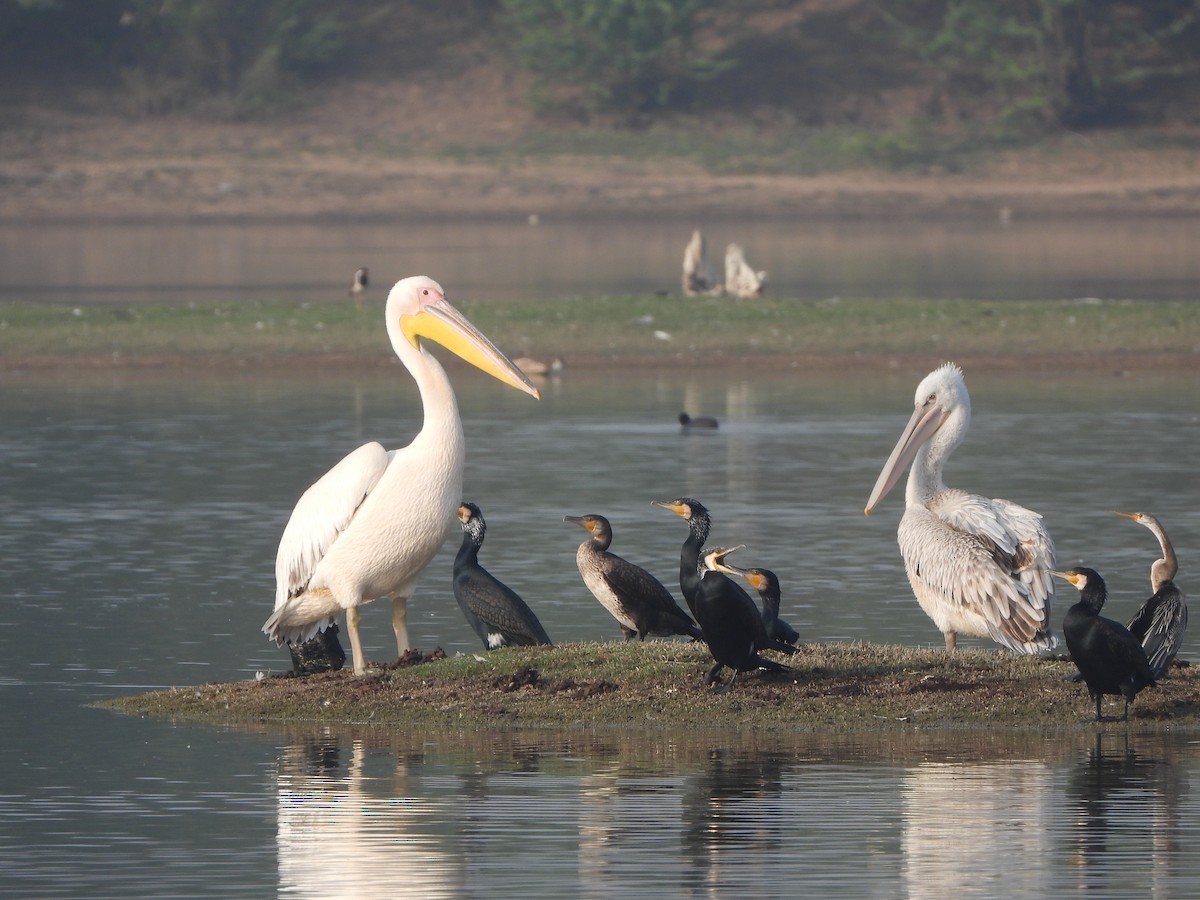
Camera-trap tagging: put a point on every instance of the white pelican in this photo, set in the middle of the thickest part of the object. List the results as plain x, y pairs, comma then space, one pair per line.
978, 567
369, 526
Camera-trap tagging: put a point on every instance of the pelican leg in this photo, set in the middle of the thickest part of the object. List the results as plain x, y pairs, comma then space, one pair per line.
360, 665
400, 625
951, 641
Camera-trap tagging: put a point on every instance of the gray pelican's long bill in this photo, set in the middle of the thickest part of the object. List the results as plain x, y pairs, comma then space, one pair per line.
920, 428
439, 321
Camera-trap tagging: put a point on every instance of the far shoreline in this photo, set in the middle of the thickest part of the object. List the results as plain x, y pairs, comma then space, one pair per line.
40, 367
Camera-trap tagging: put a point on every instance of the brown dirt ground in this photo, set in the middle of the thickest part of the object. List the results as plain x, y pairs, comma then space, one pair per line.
376, 149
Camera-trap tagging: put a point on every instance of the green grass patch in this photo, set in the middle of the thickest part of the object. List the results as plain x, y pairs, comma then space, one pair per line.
660, 684
624, 326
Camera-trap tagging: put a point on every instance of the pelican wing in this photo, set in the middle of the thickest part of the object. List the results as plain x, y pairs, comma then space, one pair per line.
991, 557
321, 514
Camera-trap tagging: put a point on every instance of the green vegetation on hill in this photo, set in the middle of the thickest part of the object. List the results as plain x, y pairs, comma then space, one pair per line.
919, 70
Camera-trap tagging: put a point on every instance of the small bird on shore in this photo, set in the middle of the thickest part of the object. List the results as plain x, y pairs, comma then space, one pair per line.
699, 423
359, 285
536, 368
1162, 621
635, 598
1110, 659
495, 611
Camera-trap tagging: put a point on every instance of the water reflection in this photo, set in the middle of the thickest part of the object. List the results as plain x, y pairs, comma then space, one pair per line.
313, 261
139, 524
342, 835
976, 826
1125, 808
366, 812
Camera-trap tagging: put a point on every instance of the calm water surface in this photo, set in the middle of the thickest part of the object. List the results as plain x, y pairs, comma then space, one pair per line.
164, 262
139, 525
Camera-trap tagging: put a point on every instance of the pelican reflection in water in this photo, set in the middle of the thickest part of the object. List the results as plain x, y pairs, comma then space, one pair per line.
978, 567
341, 832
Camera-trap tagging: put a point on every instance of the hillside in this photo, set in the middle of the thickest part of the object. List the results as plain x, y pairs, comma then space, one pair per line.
466, 146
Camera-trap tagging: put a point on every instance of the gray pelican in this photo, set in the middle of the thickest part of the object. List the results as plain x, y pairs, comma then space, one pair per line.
1161, 622
374, 521
639, 602
978, 567
1109, 658
493, 609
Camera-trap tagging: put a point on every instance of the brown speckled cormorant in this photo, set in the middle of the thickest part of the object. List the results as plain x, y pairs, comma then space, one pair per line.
637, 600
1110, 659
1162, 621
494, 610
767, 584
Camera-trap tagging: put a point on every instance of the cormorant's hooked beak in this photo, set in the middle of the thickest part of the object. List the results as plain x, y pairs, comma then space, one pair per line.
440, 322
1065, 576
678, 508
920, 428
581, 521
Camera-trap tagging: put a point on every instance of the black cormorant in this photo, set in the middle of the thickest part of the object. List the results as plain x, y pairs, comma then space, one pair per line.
767, 584
637, 600
498, 615
1161, 622
733, 628
1110, 659
715, 599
